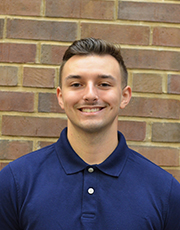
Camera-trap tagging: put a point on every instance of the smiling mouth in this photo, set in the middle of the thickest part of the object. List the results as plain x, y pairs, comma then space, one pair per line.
90, 110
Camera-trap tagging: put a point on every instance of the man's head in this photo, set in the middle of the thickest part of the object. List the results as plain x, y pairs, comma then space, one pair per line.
90, 46
91, 91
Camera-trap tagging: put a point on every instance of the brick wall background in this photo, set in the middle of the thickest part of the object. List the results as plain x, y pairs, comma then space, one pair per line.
33, 37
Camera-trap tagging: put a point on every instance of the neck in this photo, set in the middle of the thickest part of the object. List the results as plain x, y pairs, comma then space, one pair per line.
93, 147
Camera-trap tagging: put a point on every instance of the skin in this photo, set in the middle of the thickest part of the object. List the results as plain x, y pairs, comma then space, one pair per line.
92, 96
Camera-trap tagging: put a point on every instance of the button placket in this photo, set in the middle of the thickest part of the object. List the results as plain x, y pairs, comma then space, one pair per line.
89, 194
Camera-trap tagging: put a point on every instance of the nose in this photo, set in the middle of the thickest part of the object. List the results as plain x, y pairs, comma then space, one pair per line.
90, 93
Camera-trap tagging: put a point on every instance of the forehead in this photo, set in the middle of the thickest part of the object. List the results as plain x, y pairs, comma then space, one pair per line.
91, 64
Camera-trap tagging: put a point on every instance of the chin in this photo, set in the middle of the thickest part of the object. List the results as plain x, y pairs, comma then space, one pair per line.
93, 127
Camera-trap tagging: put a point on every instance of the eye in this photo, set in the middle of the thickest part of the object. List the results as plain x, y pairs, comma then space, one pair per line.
104, 84
75, 85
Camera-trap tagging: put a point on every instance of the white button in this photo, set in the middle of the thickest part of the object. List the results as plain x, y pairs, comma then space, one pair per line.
90, 190
90, 170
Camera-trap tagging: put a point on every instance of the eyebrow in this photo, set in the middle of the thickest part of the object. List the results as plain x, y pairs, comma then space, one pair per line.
103, 76
72, 77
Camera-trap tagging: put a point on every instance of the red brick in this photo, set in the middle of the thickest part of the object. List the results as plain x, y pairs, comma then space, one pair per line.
132, 130
52, 54
43, 144
147, 83
39, 77
124, 34
3, 164
48, 103
16, 101
18, 53
162, 156
163, 36
174, 172
41, 30
166, 132
174, 84
9, 76
1, 27
151, 59
144, 11
89, 9
20, 7
32, 126
152, 107
10, 150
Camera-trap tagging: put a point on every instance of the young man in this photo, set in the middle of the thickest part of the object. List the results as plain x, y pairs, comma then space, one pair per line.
89, 179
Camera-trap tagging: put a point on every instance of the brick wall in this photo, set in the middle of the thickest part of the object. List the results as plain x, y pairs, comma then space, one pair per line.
33, 36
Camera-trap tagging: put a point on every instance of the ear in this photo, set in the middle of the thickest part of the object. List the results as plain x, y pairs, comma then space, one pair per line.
126, 97
59, 97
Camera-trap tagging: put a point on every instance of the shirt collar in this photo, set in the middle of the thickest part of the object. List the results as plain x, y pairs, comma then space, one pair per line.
72, 163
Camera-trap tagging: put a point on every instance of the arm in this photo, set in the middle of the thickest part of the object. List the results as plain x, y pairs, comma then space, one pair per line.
173, 216
8, 200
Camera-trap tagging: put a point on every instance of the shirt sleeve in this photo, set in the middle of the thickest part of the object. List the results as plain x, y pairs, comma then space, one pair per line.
8, 200
173, 216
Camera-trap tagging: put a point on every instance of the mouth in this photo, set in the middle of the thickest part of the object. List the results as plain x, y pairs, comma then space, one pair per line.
91, 110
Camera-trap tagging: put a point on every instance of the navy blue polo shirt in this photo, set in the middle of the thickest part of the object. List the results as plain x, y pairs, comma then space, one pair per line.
54, 189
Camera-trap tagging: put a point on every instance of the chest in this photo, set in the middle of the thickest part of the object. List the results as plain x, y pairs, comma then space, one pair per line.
87, 200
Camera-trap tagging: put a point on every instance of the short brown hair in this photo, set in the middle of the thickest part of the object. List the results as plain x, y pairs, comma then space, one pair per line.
89, 46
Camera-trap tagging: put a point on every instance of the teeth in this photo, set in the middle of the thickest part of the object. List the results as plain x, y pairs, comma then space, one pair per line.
90, 110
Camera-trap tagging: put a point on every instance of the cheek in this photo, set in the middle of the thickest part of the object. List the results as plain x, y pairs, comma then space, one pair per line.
112, 98
70, 99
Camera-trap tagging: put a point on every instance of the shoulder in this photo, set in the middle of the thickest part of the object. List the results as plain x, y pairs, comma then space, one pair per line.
149, 172
142, 169
152, 176
34, 168
157, 182
143, 162
34, 158
28, 165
